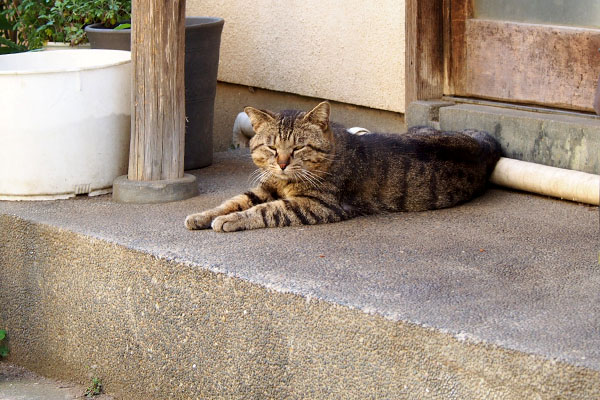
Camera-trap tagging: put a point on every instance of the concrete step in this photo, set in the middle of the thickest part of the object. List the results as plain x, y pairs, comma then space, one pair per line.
497, 299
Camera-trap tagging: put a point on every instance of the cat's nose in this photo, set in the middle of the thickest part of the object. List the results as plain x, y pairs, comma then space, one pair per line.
283, 161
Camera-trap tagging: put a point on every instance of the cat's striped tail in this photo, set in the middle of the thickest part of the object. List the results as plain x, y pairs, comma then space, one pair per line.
491, 149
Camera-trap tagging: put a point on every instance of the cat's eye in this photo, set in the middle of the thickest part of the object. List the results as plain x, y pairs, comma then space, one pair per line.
299, 148
272, 148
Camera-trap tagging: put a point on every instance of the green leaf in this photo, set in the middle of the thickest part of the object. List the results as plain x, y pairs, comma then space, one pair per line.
2, 334
95, 388
14, 47
4, 23
3, 351
123, 26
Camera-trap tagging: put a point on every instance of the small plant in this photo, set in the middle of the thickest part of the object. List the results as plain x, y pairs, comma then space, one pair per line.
29, 24
94, 389
126, 25
3, 346
19, 23
67, 18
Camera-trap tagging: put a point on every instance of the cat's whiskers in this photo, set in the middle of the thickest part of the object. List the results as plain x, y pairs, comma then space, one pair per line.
318, 172
260, 176
323, 172
255, 173
294, 173
300, 173
313, 175
255, 176
299, 177
314, 185
307, 176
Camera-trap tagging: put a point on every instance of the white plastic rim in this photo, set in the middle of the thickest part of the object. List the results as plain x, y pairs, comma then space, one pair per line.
39, 62
52, 46
64, 122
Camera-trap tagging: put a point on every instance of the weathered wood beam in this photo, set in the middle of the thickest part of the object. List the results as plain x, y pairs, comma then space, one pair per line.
156, 151
158, 90
424, 50
456, 13
531, 63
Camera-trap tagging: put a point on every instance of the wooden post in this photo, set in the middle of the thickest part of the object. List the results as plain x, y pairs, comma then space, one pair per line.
158, 90
424, 50
158, 106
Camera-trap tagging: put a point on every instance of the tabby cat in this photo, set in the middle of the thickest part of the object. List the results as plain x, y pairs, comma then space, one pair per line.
312, 171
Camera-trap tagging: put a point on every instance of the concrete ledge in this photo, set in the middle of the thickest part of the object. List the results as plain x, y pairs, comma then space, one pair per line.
425, 113
153, 328
493, 299
562, 141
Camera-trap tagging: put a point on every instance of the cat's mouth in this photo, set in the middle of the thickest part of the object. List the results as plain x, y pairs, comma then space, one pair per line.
300, 175
284, 175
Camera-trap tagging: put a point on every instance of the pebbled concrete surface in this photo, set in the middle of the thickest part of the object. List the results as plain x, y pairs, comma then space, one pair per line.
504, 289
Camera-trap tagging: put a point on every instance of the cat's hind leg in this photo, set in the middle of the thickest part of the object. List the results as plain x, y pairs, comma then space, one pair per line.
241, 202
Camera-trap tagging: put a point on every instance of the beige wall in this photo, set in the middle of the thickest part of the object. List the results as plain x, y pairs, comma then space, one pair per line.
231, 99
350, 51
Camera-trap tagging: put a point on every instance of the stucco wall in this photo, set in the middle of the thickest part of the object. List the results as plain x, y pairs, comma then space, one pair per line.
346, 50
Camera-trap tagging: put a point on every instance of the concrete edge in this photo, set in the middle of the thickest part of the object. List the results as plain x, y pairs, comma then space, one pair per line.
425, 113
153, 328
561, 140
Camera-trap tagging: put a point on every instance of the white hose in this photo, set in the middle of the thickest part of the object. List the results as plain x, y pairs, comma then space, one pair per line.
550, 181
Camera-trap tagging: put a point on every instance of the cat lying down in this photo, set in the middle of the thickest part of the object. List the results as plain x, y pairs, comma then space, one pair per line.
312, 171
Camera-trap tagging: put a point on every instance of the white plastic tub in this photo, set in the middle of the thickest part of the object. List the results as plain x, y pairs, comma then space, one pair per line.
64, 122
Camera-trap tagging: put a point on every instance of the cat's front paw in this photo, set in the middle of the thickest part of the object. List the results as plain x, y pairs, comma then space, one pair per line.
198, 221
228, 223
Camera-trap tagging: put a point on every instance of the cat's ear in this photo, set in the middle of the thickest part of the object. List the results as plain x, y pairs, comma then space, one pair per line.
319, 115
258, 117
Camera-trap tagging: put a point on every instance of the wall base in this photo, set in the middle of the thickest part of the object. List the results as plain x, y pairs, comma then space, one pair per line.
562, 140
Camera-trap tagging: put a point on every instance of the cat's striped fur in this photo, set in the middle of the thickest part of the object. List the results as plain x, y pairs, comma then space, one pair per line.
313, 172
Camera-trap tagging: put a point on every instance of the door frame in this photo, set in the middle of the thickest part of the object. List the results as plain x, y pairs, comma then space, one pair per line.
425, 48
436, 58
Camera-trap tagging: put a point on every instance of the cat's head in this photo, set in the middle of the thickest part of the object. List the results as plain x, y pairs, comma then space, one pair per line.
292, 145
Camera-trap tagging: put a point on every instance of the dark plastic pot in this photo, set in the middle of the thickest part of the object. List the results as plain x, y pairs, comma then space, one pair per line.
105, 38
202, 45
